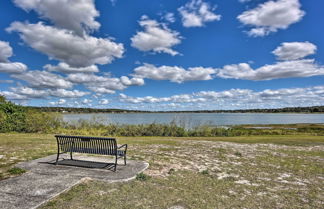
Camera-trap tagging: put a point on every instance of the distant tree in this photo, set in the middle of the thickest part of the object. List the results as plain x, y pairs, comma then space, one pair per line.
2, 99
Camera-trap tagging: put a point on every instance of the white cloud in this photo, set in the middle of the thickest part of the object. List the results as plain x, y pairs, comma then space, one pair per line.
65, 68
76, 15
5, 51
271, 16
227, 94
61, 44
131, 82
5, 65
235, 99
59, 102
196, 13
182, 98
285, 69
29, 92
173, 73
101, 90
12, 67
169, 17
67, 93
13, 96
294, 50
104, 101
103, 84
86, 101
43, 79
156, 37
84, 78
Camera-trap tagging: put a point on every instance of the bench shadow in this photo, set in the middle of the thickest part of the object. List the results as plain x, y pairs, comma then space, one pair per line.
84, 164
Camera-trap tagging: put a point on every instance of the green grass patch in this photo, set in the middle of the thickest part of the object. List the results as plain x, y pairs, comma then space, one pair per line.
16, 171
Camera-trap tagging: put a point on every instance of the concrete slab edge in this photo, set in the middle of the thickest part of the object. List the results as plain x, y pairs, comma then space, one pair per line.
83, 179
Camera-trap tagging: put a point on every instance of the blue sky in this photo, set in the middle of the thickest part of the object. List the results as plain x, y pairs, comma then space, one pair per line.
162, 55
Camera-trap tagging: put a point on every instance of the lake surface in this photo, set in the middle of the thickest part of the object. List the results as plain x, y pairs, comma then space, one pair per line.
190, 120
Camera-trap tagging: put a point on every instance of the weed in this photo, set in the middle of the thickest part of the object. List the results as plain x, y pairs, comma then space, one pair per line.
205, 172
171, 171
238, 154
16, 171
142, 177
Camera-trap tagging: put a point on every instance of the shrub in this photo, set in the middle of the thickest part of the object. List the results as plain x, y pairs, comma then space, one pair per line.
12, 117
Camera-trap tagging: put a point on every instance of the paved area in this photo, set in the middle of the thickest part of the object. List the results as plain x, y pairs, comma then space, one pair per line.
44, 180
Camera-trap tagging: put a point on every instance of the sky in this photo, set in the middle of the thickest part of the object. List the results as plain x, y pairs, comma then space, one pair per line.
162, 54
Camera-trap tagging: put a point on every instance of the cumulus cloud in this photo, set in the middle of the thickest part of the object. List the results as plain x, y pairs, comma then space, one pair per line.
5, 51
183, 98
285, 69
294, 50
156, 37
104, 101
59, 102
173, 73
67, 93
43, 79
61, 44
76, 15
196, 13
5, 65
169, 17
13, 67
237, 98
104, 84
271, 16
86, 101
13, 96
29, 92
65, 68
131, 82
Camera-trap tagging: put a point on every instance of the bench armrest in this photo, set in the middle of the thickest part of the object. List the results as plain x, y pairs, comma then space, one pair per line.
124, 145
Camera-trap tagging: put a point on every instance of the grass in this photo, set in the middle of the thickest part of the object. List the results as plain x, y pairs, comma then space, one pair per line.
16, 171
194, 172
16, 148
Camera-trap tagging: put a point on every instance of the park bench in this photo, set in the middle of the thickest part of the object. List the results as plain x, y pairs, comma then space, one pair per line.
90, 145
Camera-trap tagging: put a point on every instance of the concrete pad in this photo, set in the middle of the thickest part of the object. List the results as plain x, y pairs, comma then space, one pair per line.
45, 180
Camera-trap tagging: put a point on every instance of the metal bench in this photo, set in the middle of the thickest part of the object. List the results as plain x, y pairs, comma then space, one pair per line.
90, 145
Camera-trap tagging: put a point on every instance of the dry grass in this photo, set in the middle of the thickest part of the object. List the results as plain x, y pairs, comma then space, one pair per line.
257, 172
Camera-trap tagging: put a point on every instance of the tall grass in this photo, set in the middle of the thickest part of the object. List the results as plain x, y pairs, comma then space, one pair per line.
84, 127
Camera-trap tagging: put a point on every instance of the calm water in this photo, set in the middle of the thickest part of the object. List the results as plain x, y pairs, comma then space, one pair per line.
195, 119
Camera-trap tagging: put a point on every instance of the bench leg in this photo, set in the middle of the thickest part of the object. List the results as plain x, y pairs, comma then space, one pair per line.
71, 156
116, 158
57, 158
124, 159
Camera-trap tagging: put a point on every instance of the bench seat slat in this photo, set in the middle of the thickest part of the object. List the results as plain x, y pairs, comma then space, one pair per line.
95, 151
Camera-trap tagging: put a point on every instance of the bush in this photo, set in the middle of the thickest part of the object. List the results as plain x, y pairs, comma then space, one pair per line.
42, 122
12, 117
16, 118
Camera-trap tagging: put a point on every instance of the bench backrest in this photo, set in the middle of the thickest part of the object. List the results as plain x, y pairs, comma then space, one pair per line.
84, 144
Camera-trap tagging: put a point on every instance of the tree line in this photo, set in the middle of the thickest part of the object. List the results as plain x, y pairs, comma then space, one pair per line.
313, 109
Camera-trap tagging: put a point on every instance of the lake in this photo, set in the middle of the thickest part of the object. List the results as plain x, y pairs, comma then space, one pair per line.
190, 120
